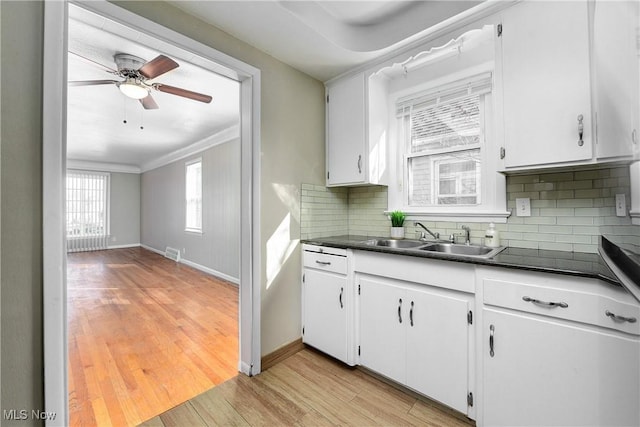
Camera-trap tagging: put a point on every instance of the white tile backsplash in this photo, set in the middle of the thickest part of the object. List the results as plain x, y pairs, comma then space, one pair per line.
569, 211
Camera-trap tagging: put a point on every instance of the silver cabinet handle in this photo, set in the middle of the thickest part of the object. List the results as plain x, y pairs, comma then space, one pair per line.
546, 303
411, 314
634, 137
400, 310
323, 262
620, 318
360, 163
491, 330
580, 130
340, 298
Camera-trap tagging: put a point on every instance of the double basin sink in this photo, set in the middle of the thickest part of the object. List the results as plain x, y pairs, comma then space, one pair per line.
475, 251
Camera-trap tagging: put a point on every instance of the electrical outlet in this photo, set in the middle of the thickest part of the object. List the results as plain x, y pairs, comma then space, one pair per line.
621, 205
523, 207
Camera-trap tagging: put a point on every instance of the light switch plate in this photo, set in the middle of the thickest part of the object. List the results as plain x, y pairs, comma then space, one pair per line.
523, 207
621, 205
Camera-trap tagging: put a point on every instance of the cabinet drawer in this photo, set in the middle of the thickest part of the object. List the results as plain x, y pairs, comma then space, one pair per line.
573, 305
326, 262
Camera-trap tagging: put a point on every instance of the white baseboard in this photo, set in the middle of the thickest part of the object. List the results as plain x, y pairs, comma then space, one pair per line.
199, 267
132, 245
210, 271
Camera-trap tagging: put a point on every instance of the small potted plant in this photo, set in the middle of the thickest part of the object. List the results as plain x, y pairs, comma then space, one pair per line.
397, 221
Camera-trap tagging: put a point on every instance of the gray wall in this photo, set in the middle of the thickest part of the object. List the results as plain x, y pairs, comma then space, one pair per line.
292, 128
21, 201
163, 210
124, 206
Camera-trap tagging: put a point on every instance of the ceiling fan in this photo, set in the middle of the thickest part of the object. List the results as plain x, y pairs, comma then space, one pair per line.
136, 74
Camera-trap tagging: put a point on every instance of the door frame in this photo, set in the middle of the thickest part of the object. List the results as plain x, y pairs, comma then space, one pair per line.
54, 119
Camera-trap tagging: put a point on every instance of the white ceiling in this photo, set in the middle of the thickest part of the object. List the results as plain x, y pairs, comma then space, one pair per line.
96, 129
326, 38
321, 38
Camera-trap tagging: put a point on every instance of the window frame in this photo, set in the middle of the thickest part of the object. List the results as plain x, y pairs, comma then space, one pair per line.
493, 203
107, 203
188, 227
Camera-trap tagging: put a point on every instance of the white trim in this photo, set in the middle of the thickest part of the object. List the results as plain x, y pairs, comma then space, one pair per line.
210, 271
227, 135
131, 245
54, 251
54, 169
199, 267
88, 165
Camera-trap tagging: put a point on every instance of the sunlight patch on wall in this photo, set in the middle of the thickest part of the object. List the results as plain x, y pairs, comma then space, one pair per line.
289, 195
280, 246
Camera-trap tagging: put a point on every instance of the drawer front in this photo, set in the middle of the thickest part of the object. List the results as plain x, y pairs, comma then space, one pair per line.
326, 262
582, 307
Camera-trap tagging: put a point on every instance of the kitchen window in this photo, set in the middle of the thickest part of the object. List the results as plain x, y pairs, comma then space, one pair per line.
193, 196
446, 166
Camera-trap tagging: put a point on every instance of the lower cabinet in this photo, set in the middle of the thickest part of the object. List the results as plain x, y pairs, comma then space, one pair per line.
416, 335
327, 302
557, 351
542, 372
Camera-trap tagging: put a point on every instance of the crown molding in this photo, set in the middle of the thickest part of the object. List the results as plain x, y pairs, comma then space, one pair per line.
89, 165
227, 135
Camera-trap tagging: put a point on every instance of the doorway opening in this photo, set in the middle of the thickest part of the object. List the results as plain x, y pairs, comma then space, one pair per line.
56, 74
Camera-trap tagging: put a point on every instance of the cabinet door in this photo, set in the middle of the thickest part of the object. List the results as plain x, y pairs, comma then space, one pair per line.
437, 347
346, 131
546, 83
616, 78
325, 318
383, 316
546, 373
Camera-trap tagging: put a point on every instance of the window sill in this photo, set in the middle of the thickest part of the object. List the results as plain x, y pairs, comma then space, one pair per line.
498, 217
193, 231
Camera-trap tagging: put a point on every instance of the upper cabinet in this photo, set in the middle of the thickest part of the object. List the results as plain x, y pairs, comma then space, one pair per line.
546, 84
615, 56
351, 158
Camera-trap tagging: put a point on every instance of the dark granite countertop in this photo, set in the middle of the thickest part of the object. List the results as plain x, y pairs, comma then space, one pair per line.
558, 262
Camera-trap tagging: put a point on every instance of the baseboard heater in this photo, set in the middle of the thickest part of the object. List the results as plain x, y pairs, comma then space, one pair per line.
172, 253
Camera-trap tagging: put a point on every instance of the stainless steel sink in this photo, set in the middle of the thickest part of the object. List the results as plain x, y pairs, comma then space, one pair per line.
463, 250
398, 244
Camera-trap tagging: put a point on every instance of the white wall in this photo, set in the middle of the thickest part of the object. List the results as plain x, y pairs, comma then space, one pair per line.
124, 207
163, 210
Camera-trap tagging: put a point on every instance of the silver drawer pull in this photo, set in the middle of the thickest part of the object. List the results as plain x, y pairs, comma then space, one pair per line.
491, 330
546, 303
323, 262
620, 318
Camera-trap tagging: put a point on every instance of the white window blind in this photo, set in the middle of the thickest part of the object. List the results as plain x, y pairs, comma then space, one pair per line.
87, 209
193, 192
443, 135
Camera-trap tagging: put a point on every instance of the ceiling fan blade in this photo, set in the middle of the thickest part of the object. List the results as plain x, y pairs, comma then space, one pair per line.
91, 61
149, 103
158, 66
183, 92
91, 82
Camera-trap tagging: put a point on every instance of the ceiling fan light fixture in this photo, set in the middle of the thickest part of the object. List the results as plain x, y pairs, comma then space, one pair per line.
133, 89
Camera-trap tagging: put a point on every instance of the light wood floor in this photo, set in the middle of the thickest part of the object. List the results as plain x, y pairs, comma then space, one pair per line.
308, 389
145, 334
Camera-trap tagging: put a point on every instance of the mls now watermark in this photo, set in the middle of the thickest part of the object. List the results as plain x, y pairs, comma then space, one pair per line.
23, 414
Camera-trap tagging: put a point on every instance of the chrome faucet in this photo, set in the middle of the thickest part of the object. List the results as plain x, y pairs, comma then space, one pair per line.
434, 235
467, 235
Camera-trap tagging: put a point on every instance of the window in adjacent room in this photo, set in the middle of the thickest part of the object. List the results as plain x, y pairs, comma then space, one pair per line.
87, 204
193, 199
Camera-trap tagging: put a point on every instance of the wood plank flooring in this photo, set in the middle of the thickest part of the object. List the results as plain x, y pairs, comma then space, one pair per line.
145, 334
308, 389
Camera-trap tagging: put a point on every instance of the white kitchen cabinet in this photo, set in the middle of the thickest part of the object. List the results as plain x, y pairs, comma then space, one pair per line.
327, 302
346, 136
616, 79
416, 335
549, 373
546, 84
634, 175
553, 351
